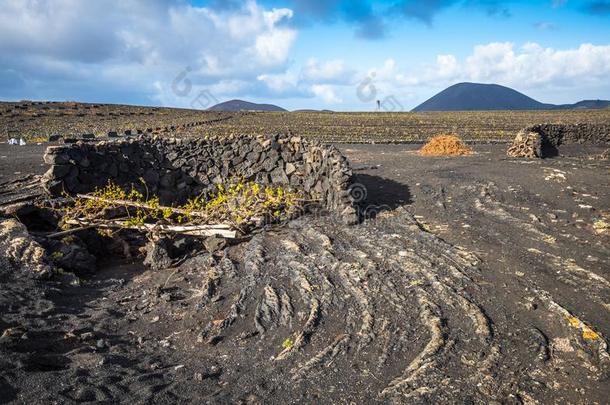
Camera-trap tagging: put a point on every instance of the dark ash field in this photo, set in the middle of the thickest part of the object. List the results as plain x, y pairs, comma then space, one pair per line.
471, 279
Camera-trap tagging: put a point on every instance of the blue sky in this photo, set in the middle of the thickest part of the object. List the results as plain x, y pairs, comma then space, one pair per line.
334, 54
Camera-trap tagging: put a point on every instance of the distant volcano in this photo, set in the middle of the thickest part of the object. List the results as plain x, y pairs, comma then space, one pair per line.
240, 105
487, 97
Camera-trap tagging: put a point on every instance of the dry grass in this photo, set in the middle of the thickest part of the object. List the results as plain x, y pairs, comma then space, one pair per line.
445, 145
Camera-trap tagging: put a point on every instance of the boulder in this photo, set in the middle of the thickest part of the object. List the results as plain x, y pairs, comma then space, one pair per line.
20, 252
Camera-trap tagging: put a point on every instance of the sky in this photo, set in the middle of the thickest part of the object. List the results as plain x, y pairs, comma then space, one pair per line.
342, 55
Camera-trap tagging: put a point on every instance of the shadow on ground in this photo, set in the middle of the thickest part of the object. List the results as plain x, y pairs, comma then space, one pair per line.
382, 191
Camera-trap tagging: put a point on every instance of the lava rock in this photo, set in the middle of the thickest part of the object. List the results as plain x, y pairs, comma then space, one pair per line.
158, 254
214, 243
70, 254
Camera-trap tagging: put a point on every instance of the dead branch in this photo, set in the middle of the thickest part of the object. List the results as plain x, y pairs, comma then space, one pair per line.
223, 230
68, 231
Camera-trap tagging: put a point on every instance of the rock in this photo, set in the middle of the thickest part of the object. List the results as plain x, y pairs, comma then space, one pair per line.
59, 171
70, 183
68, 278
210, 372
56, 159
214, 243
113, 170
214, 340
184, 245
70, 254
158, 254
278, 176
84, 162
87, 336
290, 168
200, 262
53, 187
269, 165
349, 216
20, 252
151, 177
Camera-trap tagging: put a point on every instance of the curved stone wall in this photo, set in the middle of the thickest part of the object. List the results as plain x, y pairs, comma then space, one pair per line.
176, 169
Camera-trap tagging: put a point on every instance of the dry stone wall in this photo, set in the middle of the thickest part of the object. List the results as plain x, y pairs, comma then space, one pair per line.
177, 169
558, 134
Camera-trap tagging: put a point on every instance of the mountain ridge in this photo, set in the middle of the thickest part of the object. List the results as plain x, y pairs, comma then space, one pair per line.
468, 96
241, 105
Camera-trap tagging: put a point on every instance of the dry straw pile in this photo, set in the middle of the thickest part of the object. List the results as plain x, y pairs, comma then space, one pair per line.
445, 145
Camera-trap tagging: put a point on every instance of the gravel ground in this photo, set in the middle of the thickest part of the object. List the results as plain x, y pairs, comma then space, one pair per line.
474, 279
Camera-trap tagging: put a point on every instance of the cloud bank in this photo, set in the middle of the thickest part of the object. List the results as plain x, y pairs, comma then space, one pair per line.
173, 53
530, 67
139, 45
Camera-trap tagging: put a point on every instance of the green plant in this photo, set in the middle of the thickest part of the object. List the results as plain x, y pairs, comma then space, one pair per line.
287, 343
238, 202
57, 255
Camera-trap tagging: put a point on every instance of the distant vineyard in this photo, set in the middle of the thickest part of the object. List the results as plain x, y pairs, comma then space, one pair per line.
39, 120
401, 127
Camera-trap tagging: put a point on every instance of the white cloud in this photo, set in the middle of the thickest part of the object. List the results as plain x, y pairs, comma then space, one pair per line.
332, 71
528, 66
533, 65
321, 79
150, 42
280, 83
291, 84
272, 47
326, 93
447, 66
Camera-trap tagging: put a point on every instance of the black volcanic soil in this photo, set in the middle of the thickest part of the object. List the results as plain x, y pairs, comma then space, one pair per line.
17, 161
477, 279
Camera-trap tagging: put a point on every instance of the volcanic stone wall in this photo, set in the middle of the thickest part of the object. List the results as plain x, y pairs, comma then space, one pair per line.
558, 134
176, 169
